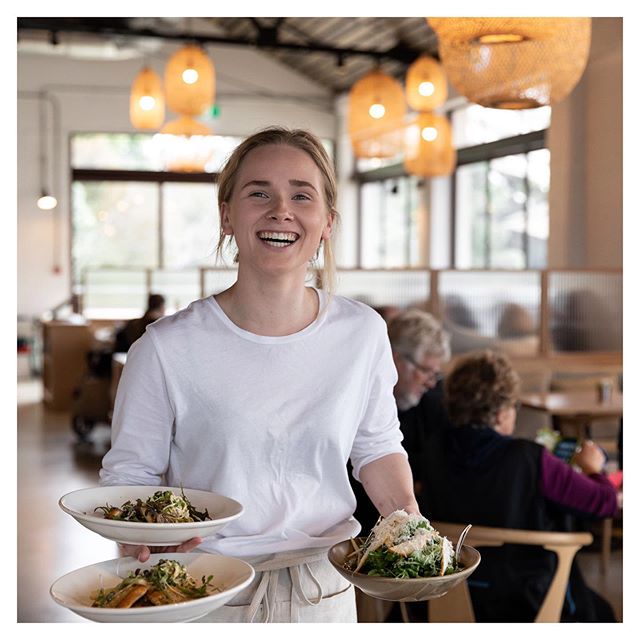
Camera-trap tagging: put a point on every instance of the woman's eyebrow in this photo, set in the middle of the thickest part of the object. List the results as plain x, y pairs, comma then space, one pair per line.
302, 183
266, 183
256, 183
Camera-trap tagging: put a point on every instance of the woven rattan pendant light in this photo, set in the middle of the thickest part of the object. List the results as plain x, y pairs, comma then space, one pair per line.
146, 103
183, 146
186, 126
190, 82
376, 114
429, 149
426, 84
513, 63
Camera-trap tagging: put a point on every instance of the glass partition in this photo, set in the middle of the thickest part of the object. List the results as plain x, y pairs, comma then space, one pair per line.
491, 309
216, 280
585, 311
480, 309
179, 288
114, 293
385, 288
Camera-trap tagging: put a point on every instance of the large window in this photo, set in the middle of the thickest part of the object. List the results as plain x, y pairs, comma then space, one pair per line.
501, 185
498, 214
129, 212
390, 217
502, 214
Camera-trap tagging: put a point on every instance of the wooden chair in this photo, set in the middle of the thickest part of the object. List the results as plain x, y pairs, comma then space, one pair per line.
456, 605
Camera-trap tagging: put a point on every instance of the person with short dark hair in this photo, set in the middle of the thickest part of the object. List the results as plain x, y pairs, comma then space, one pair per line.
134, 329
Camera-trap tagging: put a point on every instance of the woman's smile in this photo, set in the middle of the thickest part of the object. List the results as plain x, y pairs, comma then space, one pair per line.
279, 239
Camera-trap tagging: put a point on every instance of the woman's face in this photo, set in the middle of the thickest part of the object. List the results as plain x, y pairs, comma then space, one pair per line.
277, 212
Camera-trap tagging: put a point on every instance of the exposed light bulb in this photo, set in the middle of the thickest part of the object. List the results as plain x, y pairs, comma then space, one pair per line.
190, 76
147, 103
426, 88
377, 110
429, 134
47, 202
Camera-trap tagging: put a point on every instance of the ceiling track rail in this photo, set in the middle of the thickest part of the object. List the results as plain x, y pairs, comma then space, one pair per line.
399, 53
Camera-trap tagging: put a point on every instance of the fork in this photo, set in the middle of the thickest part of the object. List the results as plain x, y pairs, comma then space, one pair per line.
463, 535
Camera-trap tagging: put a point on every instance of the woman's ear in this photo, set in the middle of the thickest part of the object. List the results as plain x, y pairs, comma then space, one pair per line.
326, 232
225, 222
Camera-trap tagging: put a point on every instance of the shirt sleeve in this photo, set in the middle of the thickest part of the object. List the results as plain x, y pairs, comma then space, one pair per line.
379, 432
142, 423
559, 483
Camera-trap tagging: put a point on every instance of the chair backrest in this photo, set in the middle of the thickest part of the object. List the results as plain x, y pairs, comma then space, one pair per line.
456, 605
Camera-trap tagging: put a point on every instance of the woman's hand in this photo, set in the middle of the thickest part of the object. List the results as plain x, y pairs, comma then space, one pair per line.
142, 552
589, 457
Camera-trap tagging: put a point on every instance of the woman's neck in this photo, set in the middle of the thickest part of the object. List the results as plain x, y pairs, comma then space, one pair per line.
274, 307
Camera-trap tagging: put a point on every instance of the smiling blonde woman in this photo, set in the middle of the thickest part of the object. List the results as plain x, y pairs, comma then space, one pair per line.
263, 391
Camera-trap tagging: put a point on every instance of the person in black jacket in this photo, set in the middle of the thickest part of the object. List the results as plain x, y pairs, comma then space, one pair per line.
485, 476
133, 329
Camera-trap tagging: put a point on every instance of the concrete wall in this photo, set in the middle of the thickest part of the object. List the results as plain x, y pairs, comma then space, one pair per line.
585, 141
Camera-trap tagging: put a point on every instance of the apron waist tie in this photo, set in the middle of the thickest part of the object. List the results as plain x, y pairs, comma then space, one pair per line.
267, 589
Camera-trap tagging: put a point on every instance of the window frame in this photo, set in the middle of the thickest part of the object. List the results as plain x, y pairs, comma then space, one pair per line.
124, 175
514, 145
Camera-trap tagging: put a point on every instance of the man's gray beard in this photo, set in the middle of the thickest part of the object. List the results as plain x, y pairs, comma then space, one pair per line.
407, 402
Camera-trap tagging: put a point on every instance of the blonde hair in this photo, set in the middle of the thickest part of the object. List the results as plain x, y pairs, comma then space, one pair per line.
310, 144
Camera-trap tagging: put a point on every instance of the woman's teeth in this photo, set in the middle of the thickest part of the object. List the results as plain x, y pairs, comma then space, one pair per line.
278, 239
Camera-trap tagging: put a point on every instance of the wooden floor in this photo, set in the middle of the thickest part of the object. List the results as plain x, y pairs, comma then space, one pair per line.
50, 464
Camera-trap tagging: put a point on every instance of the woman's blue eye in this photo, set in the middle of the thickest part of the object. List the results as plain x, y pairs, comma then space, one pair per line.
302, 196
261, 194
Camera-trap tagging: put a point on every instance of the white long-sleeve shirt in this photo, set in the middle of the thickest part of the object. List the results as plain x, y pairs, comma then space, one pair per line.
268, 421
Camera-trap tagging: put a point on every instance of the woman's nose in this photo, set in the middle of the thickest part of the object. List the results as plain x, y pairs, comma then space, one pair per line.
280, 210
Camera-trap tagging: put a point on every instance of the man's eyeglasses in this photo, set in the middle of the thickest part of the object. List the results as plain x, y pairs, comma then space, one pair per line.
430, 374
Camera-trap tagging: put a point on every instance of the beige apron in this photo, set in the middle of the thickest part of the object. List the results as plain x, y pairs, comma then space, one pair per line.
299, 586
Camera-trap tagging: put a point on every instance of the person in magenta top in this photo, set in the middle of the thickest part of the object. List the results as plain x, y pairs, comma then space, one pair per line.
481, 474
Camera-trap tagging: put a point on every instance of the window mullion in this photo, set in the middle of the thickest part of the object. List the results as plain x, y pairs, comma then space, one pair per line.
160, 225
527, 195
487, 217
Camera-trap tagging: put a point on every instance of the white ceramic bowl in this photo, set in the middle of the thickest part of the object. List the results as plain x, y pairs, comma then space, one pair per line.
81, 505
76, 589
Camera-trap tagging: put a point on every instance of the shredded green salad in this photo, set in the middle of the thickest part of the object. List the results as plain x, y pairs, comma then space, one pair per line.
405, 545
162, 506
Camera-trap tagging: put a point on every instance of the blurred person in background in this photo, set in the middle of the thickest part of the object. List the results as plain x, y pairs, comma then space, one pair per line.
485, 476
134, 329
420, 349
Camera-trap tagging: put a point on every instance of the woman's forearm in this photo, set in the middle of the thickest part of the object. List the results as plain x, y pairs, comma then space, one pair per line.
388, 482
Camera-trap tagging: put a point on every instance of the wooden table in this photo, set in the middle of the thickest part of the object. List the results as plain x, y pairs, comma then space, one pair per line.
574, 408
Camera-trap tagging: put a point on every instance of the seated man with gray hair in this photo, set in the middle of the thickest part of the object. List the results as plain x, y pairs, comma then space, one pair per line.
420, 347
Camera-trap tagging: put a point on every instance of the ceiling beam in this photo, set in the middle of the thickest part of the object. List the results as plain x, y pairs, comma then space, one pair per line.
116, 27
